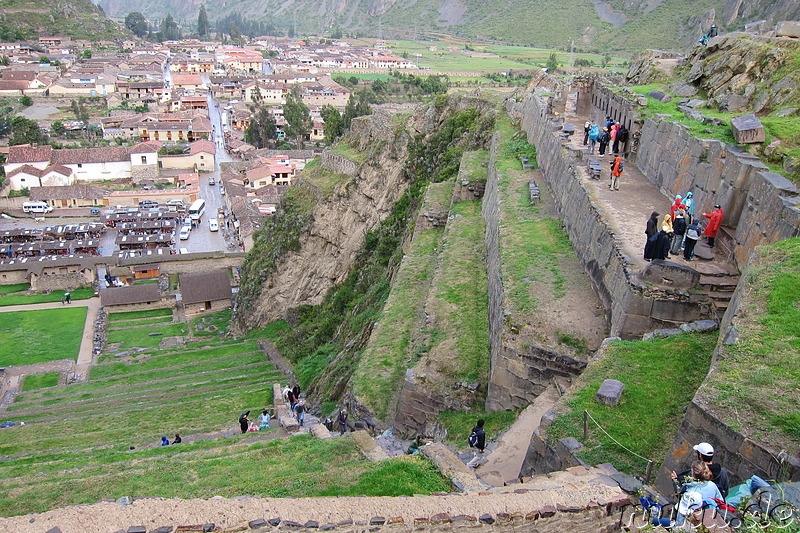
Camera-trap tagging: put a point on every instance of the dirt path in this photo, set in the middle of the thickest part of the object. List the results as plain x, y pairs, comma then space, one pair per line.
505, 461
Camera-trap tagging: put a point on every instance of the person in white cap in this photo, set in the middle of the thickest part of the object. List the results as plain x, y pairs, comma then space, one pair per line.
719, 475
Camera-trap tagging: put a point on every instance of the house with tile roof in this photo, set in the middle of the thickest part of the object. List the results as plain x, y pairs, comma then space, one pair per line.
199, 157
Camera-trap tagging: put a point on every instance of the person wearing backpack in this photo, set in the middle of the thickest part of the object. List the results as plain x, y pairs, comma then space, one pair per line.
690, 240
679, 228
622, 138
477, 441
616, 172
604, 139
594, 135
587, 126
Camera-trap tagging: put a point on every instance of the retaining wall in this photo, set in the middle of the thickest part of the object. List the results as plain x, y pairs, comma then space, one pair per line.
339, 164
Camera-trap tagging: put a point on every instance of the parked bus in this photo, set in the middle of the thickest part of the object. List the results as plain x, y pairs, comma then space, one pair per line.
197, 209
36, 207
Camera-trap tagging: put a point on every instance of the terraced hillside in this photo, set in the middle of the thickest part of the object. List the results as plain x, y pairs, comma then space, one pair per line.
101, 438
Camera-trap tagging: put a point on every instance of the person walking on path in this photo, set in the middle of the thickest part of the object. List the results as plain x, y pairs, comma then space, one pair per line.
342, 421
300, 411
679, 228
594, 136
477, 441
616, 172
692, 234
587, 126
689, 203
68, 297
714, 222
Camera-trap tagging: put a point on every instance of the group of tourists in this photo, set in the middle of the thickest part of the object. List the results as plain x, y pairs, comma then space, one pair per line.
679, 231
613, 133
296, 403
165, 441
249, 426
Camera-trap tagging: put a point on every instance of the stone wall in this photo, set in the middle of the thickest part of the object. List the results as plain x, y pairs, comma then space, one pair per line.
339, 163
632, 309
144, 172
62, 280
188, 263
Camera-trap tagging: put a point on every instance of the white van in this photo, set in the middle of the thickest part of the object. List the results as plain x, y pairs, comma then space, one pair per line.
184, 234
36, 207
213, 225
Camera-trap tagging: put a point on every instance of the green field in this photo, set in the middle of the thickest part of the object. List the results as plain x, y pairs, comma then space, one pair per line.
17, 287
140, 337
128, 315
81, 293
40, 381
29, 337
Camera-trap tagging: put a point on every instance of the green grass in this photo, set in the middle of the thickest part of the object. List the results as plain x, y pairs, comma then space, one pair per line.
28, 337
17, 287
128, 315
81, 293
140, 337
145, 282
756, 387
344, 149
40, 381
270, 331
220, 320
474, 166
459, 424
139, 322
660, 377
323, 179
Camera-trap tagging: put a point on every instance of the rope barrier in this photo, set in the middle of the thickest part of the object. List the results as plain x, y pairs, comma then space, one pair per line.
613, 439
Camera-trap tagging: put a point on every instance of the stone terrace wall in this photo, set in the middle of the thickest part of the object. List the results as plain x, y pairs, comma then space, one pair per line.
762, 206
631, 309
339, 164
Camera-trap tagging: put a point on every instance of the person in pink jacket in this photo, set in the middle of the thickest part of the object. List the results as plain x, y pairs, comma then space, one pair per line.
714, 222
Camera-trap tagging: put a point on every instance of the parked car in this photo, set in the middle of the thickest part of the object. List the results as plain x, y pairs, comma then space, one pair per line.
213, 225
148, 203
94, 210
211, 181
184, 234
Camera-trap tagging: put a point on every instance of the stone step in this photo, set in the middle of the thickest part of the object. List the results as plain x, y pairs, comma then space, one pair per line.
720, 305
721, 295
719, 282
710, 268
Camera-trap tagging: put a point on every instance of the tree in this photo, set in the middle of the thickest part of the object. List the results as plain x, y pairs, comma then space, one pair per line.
257, 96
606, 60
552, 63
57, 127
203, 27
26, 131
25, 101
332, 120
86, 54
5, 60
43, 59
235, 33
298, 121
356, 107
136, 22
261, 132
169, 29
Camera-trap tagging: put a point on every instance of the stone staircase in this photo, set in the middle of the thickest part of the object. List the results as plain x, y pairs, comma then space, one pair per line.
718, 279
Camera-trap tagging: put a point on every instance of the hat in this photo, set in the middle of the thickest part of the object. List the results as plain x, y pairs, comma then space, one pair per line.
688, 194
678, 196
704, 448
717, 206
690, 502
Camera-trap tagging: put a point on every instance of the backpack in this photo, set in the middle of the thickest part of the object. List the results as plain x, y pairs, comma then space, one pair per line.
692, 233
594, 133
620, 166
473, 439
622, 135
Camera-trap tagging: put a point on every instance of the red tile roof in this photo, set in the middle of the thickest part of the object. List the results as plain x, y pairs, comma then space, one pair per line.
29, 154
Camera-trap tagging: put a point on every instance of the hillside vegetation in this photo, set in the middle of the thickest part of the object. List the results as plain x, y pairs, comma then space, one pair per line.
600, 26
79, 19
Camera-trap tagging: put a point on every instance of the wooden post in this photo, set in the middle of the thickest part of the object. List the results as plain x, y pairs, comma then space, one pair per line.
649, 472
585, 426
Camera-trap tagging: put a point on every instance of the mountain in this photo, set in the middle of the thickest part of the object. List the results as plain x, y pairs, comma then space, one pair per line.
596, 25
79, 19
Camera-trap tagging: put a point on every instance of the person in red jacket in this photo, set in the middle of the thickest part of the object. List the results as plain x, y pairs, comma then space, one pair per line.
676, 204
616, 172
714, 221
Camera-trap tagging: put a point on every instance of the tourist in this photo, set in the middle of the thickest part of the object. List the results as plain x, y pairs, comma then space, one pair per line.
719, 475
414, 446
666, 226
477, 441
619, 138
677, 203
657, 246
612, 135
292, 399
164, 441
244, 422
177, 439
263, 420
699, 483
689, 203
616, 172
68, 297
342, 420
690, 240
587, 126
715, 220
652, 225
594, 136
604, 138
296, 391
300, 411
679, 228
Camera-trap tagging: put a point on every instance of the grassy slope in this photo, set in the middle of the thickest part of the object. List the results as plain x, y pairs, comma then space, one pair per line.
660, 378
44, 335
755, 387
79, 19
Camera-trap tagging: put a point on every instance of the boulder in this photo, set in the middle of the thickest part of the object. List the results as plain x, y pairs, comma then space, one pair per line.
747, 129
734, 103
670, 274
788, 111
661, 96
686, 90
788, 28
771, 147
695, 103
610, 392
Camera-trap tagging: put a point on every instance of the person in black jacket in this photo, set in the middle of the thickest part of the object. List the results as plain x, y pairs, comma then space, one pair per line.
477, 441
604, 140
719, 474
657, 246
678, 228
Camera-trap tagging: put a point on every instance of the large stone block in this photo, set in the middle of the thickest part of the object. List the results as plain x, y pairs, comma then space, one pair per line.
669, 274
610, 392
747, 129
788, 28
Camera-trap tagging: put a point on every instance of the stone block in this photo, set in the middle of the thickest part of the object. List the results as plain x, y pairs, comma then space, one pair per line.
658, 95
669, 274
695, 103
320, 431
686, 90
788, 28
257, 524
289, 423
137, 529
610, 392
787, 111
747, 129
734, 103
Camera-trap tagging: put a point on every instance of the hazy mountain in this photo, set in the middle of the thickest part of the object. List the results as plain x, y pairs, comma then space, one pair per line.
592, 24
